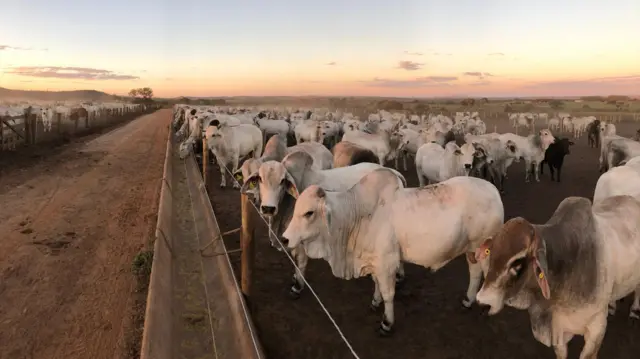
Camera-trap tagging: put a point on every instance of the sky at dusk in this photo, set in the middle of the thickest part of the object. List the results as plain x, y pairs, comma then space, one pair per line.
331, 47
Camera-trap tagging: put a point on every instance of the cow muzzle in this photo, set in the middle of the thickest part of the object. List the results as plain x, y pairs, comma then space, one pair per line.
491, 298
268, 210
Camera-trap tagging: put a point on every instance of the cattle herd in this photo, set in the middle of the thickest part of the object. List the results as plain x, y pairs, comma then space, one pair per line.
47, 113
330, 196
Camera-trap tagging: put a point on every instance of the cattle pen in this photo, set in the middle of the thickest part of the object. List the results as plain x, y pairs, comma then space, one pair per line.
28, 129
331, 319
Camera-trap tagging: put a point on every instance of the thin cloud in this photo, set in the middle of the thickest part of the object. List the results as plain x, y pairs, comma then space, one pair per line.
7, 47
426, 81
81, 73
332, 63
629, 80
409, 65
478, 74
413, 53
497, 54
480, 83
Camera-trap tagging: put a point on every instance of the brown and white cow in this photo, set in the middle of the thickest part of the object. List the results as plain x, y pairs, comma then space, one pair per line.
565, 272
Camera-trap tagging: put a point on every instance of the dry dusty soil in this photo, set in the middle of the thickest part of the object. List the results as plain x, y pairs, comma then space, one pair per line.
72, 220
430, 323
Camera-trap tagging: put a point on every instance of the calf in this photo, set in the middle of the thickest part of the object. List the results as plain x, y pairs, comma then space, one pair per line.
565, 272
554, 156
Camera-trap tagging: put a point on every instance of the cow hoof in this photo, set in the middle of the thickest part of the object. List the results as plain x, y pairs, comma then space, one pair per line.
634, 314
222, 185
611, 310
294, 292
385, 329
236, 186
467, 303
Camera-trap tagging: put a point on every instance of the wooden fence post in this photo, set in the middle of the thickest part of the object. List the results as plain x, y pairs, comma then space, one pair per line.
205, 163
247, 245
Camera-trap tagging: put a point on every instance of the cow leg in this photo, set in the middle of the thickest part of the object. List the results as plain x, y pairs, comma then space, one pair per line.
298, 282
593, 336
559, 171
223, 177
612, 307
404, 160
420, 177
377, 297
387, 286
475, 277
395, 161
542, 168
234, 164
527, 170
552, 172
536, 171
400, 274
635, 307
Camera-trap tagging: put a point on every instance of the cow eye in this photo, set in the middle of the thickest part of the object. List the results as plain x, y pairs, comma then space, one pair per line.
517, 267
308, 214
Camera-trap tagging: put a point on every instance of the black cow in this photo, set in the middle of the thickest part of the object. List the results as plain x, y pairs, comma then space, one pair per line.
554, 156
593, 137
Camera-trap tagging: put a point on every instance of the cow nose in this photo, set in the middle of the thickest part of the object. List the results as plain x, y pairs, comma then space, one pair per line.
285, 241
467, 166
269, 210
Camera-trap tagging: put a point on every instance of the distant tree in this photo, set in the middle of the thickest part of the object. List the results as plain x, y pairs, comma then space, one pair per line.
484, 100
556, 104
508, 108
145, 93
586, 107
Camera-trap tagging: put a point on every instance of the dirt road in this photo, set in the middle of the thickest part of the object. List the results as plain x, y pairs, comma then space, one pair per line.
70, 227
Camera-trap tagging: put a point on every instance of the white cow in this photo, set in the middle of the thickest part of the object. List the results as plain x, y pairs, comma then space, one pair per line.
531, 149
375, 225
274, 180
436, 164
231, 143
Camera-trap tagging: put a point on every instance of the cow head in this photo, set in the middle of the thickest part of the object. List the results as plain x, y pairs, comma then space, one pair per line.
565, 145
271, 182
311, 217
516, 266
467, 154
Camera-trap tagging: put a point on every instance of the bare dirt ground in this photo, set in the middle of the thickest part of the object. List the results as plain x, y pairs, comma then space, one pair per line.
430, 320
71, 224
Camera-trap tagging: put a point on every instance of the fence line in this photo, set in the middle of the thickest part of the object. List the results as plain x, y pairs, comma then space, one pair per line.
286, 252
29, 129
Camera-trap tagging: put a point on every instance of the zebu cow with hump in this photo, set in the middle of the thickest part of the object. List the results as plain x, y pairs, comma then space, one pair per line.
322, 157
279, 183
371, 228
565, 272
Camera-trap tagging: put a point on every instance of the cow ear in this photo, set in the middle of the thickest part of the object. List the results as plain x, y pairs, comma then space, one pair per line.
238, 175
540, 270
251, 184
484, 250
326, 214
290, 186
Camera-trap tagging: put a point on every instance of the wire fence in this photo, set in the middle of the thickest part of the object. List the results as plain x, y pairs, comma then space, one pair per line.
298, 270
